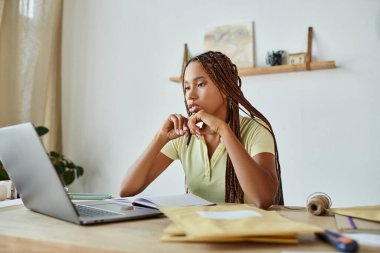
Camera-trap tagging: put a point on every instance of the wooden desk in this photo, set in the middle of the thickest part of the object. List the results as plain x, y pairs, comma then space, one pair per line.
22, 230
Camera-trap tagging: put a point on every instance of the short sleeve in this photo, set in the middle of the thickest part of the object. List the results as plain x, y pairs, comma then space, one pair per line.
262, 141
256, 138
170, 150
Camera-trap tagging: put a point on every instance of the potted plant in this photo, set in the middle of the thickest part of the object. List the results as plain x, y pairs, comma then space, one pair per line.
66, 169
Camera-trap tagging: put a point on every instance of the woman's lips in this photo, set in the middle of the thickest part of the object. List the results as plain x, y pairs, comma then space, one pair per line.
194, 108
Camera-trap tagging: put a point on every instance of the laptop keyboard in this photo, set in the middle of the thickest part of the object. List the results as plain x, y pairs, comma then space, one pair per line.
87, 211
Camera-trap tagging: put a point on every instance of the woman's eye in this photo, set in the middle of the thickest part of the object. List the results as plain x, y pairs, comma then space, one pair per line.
187, 88
201, 84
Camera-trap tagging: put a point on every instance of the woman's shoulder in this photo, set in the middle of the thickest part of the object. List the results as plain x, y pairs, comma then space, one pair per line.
256, 136
250, 123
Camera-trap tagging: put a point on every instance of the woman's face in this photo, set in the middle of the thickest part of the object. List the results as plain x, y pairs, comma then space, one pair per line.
201, 93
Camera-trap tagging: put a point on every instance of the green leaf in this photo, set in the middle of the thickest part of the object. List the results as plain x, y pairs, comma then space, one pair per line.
41, 130
71, 165
80, 171
60, 167
3, 173
68, 177
54, 154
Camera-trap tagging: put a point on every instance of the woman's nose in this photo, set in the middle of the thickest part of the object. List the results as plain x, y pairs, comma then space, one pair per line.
191, 93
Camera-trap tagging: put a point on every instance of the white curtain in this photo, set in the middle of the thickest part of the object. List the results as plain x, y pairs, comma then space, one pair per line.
1, 9
30, 65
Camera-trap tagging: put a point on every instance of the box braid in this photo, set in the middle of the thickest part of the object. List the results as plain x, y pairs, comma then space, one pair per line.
224, 75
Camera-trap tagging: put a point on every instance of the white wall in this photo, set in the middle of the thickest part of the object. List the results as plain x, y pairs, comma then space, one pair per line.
118, 57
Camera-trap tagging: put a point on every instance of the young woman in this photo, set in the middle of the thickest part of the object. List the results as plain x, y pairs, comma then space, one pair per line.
225, 157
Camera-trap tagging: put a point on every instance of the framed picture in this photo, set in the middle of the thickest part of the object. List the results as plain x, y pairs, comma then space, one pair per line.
236, 41
297, 58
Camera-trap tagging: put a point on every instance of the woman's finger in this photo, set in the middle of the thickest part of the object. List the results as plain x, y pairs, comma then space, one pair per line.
173, 118
185, 128
179, 121
192, 124
180, 124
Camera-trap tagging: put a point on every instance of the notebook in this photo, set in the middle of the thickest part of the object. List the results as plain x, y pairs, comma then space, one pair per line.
37, 182
166, 200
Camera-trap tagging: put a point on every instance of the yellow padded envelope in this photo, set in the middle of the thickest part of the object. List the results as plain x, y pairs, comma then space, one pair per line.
231, 223
174, 233
371, 213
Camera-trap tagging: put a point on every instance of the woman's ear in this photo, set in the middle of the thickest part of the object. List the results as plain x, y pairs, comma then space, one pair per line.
224, 96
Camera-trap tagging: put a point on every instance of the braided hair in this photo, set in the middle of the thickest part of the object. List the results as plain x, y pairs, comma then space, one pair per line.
224, 75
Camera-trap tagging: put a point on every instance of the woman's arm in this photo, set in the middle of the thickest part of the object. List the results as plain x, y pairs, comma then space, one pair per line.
147, 167
152, 162
257, 175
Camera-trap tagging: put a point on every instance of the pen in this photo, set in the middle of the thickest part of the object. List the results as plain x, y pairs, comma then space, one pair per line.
188, 140
338, 241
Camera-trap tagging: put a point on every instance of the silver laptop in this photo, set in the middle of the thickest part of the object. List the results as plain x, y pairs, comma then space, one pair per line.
36, 180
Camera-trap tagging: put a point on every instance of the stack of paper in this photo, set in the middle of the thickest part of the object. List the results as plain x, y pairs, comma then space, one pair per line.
358, 219
231, 223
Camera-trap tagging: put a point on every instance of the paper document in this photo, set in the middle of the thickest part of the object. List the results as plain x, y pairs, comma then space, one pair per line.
372, 240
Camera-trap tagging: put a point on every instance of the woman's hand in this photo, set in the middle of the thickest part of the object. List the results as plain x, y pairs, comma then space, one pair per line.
174, 126
211, 124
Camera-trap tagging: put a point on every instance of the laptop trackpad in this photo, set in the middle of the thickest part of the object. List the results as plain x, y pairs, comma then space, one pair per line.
110, 206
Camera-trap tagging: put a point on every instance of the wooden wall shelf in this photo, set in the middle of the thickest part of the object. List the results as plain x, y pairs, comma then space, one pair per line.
278, 69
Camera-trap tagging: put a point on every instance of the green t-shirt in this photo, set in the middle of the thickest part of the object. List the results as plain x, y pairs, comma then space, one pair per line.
206, 178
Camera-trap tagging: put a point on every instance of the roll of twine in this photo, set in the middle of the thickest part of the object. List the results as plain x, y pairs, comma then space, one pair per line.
3, 191
318, 203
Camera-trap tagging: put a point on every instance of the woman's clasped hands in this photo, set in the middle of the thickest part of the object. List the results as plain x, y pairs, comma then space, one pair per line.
198, 124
